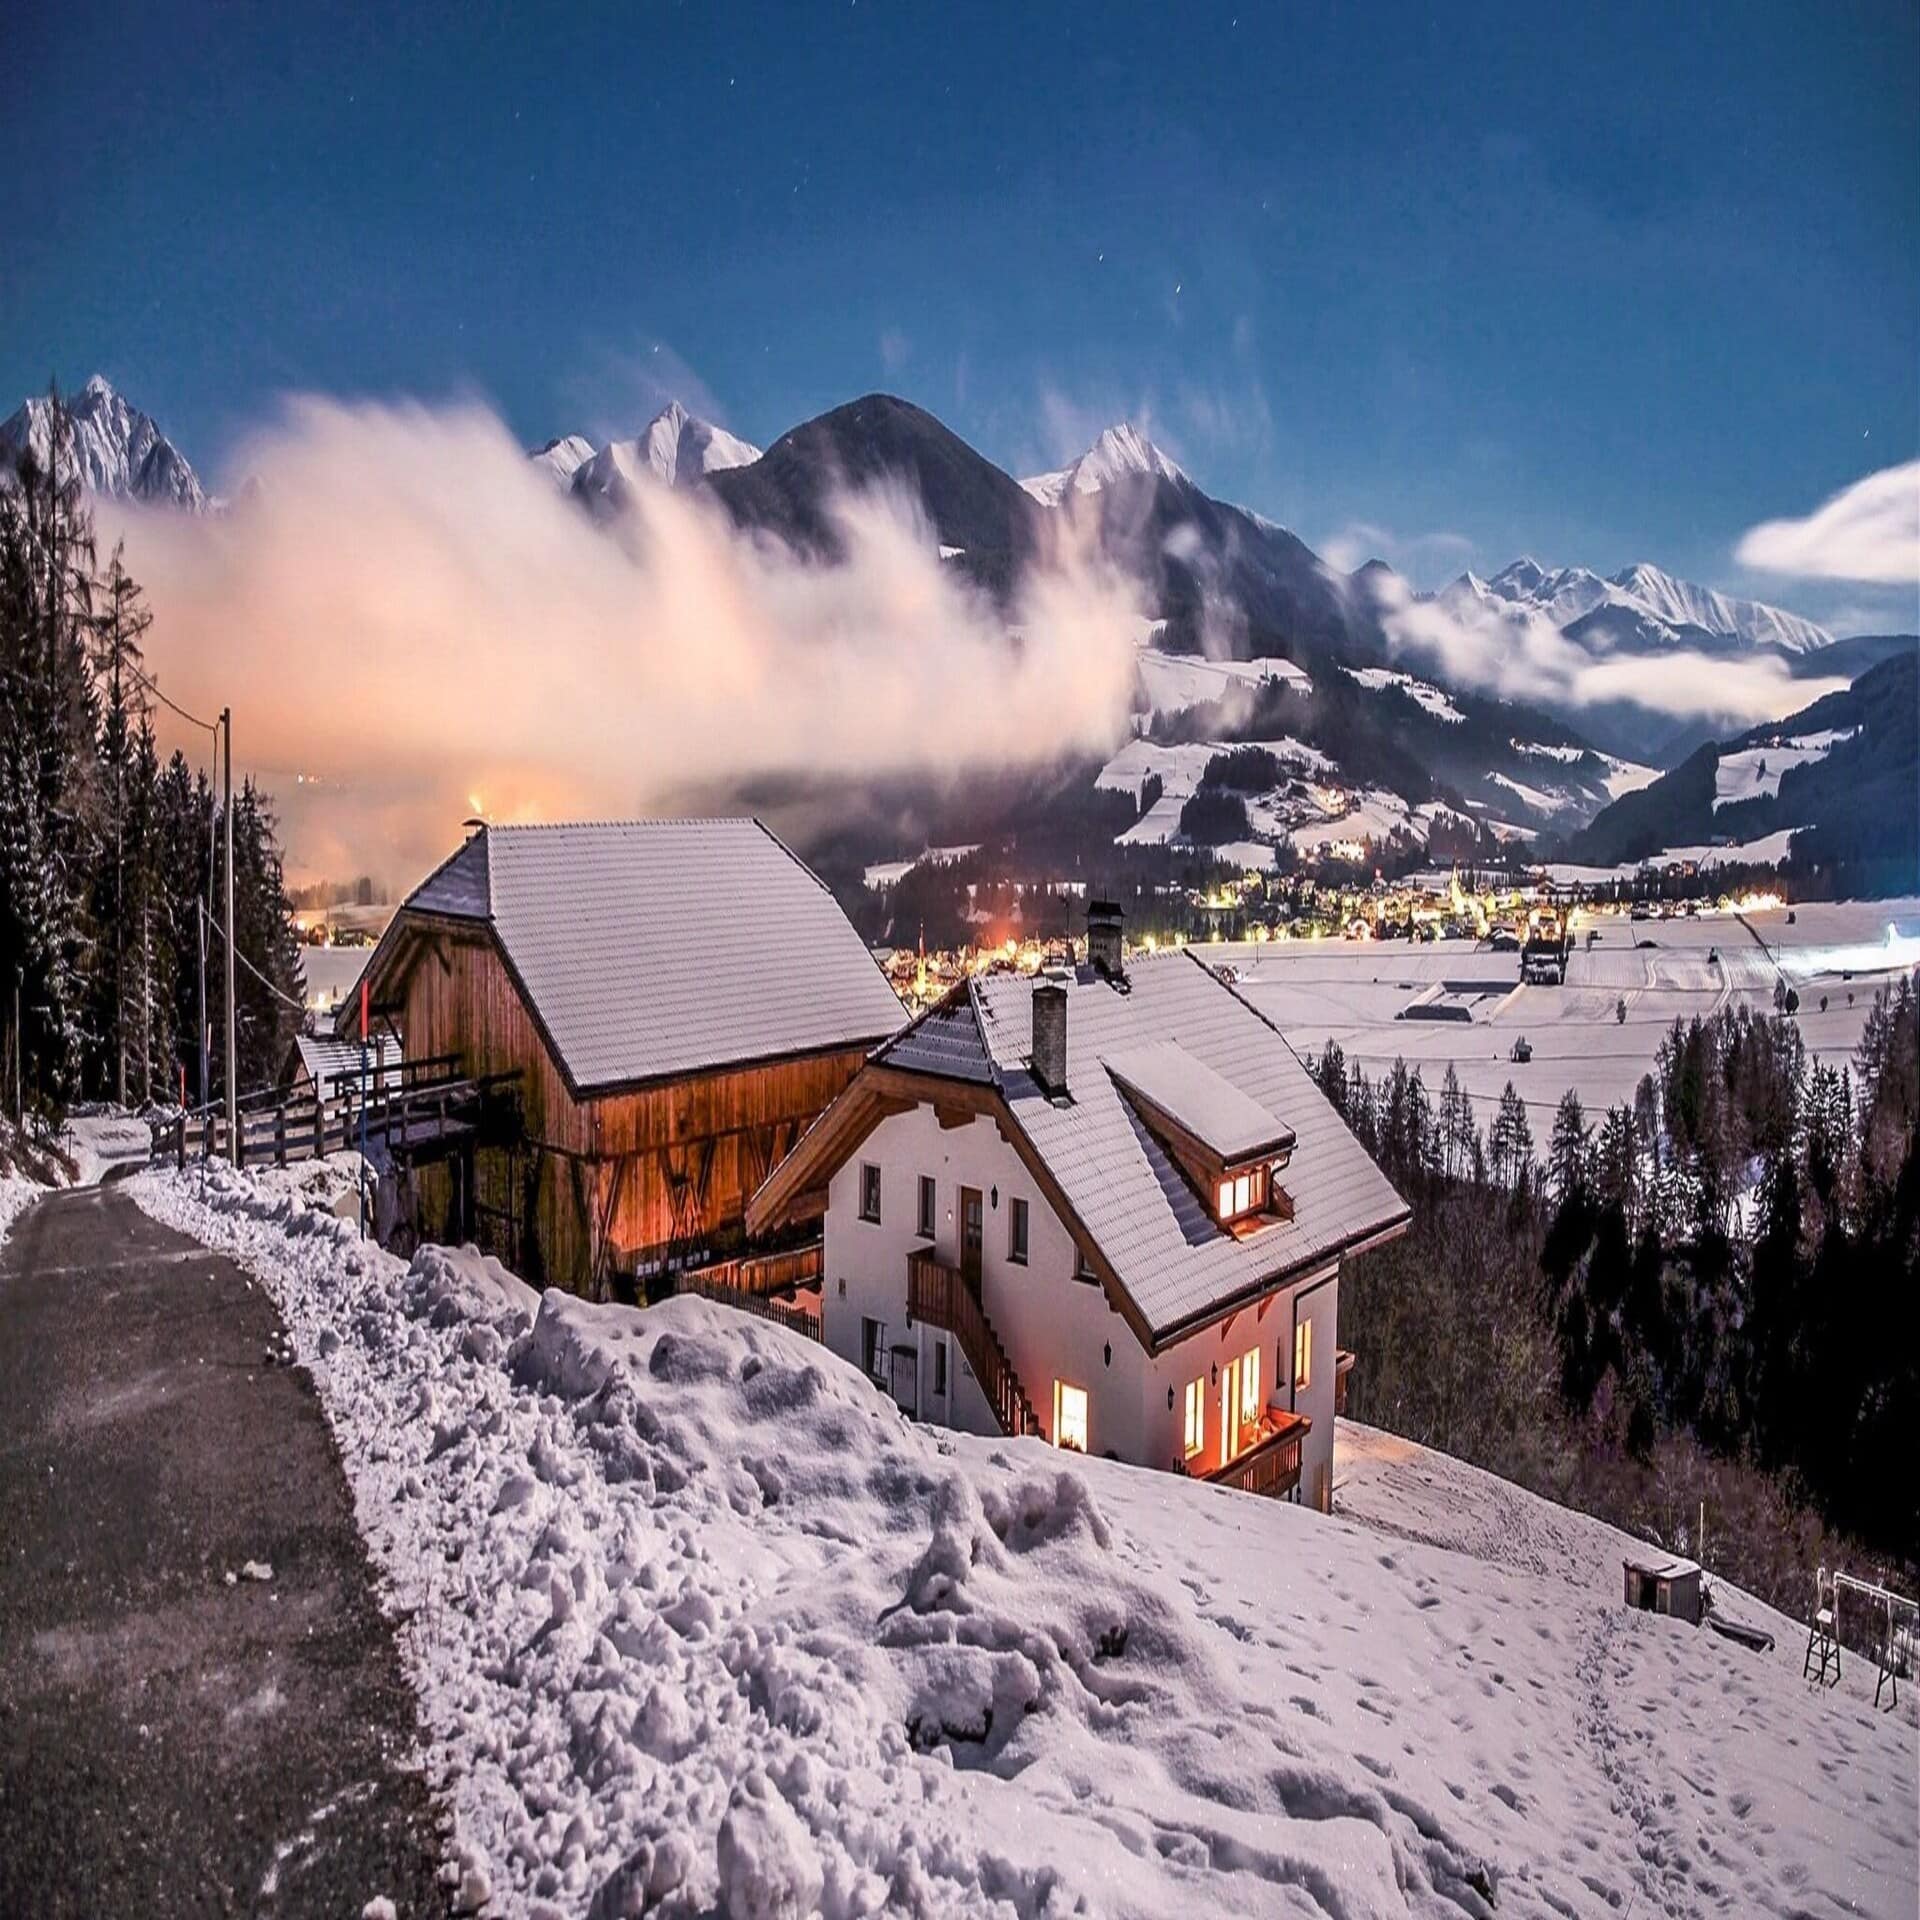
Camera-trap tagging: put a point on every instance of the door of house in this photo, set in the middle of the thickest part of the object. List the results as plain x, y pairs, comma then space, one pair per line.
906, 1381
1229, 1412
973, 1236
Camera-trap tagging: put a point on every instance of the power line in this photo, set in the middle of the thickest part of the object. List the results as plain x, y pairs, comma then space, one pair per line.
299, 1006
154, 688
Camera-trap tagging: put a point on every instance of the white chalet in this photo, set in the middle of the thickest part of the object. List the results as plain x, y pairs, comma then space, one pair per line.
1107, 1207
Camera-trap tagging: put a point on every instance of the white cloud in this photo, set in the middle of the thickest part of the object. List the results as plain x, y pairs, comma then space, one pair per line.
406, 613
1869, 531
1521, 655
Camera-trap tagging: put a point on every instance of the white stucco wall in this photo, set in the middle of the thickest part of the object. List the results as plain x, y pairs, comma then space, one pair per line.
1053, 1326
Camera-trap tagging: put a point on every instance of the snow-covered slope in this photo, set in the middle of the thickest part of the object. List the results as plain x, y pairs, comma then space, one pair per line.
119, 450
1120, 450
700, 1623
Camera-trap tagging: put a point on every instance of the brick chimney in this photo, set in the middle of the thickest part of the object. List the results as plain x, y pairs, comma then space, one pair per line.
1050, 1036
1106, 952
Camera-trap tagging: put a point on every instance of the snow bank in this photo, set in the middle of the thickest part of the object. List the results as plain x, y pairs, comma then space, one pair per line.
700, 1623
100, 1143
16, 1196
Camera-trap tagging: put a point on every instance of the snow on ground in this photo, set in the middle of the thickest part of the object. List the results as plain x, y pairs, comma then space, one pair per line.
1428, 698
1354, 991
17, 1194
1621, 776
1373, 814
701, 1623
1754, 773
1180, 769
1532, 796
1172, 682
100, 1143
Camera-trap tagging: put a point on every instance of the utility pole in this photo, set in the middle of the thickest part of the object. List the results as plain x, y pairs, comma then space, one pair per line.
233, 1088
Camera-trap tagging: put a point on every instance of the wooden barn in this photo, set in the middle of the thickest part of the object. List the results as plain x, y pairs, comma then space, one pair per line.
680, 998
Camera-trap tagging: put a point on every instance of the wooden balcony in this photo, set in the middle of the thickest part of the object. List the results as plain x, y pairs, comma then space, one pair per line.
1270, 1463
939, 1295
766, 1273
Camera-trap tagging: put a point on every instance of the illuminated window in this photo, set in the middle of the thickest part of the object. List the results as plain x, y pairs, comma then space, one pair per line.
1250, 1386
1196, 1434
1069, 1416
1303, 1355
1243, 1193
869, 1192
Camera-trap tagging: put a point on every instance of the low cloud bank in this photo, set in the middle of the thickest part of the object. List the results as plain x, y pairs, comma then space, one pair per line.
1521, 655
411, 623
1869, 531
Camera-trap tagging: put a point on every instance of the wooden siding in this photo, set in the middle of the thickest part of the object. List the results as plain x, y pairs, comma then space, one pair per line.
612, 1182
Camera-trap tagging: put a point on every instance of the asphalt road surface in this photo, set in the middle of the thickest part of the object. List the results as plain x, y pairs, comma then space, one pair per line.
173, 1741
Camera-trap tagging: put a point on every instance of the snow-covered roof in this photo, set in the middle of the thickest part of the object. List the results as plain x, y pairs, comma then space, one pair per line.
648, 948
1175, 1024
1226, 1121
326, 1060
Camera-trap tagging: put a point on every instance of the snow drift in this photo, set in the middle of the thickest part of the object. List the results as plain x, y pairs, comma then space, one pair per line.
701, 1623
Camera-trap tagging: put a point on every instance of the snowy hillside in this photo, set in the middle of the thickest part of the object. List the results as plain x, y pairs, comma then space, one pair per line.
119, 450
701, 1623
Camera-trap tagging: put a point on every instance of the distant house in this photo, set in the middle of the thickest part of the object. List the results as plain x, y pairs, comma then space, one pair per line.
1107, 1207
680, 999
321, 1064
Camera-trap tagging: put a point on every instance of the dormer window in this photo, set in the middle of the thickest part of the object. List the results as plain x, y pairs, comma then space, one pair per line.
1242, 1193
1230, 1149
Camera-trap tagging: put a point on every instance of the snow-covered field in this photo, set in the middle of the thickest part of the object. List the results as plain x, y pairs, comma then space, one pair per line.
701, 1624
1172, 682
1428, 698
1754, 773
1354, 991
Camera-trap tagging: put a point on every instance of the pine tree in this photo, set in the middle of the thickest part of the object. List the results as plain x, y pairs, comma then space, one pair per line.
48, 787
1510, 1141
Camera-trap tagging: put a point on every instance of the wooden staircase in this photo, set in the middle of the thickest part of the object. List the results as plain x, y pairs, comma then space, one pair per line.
937, 1294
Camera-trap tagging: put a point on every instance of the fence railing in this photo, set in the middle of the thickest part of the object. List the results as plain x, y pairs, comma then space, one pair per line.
796, 1318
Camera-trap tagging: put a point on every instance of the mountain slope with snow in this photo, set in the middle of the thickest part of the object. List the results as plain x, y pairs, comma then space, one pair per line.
120, 452
699, 1622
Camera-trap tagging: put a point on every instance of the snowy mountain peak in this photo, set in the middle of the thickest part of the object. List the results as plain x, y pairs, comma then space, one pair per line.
119, 450
676, 448
564, 457
1120, 450
1644, 606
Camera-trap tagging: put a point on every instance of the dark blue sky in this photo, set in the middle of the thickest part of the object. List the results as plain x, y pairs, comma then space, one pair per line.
1602, 284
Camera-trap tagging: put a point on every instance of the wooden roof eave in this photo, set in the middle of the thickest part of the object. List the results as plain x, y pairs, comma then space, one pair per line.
879, 1091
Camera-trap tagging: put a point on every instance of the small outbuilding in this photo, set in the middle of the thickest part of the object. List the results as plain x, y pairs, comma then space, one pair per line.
1663, 1583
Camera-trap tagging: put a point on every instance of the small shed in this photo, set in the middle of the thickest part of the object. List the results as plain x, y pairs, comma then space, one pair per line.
1663, 1583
